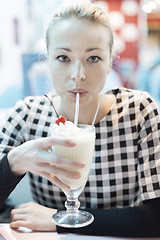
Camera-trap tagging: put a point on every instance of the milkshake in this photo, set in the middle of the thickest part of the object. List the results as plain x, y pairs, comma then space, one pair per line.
84, 137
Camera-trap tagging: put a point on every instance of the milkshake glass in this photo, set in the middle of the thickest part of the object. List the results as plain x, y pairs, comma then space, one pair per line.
84, 137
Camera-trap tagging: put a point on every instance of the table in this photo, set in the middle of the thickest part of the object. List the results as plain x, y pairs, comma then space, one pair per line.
6, 233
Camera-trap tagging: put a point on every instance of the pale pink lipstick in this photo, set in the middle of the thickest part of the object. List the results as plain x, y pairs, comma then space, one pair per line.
82, 92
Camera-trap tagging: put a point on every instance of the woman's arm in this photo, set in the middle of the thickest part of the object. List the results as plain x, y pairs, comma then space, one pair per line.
8, 181
142, 221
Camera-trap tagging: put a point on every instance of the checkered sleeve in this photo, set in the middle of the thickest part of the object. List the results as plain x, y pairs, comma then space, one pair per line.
149, 149
12, 133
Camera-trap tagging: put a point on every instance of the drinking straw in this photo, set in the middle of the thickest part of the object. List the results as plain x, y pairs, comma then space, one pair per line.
76, 109
95, 116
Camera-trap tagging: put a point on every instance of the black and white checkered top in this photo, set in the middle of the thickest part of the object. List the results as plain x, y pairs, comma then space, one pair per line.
126, 164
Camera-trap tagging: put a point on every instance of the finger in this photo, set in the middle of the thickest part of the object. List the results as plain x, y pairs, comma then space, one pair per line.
53, 179
19, 216
47, 142
20, 223
23, 205
13, 212
67, 163
19, 210
59, 172
50, 157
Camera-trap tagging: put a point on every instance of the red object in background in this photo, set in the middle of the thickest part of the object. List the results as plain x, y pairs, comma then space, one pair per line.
114, 5
131, 48
130, 51
153, 20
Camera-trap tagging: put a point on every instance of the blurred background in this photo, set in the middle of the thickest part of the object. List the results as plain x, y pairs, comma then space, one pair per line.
23, 66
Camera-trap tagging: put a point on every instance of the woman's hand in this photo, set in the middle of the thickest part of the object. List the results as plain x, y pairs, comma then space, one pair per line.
34, 156
33, 216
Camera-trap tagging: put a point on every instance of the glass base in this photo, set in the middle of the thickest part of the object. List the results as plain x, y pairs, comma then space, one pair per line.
73, 220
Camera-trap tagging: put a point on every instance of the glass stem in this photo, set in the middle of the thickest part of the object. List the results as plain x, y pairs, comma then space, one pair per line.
72, 205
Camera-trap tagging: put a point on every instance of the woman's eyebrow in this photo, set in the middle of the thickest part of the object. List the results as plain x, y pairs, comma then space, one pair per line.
62, 48
69, 50
92, 49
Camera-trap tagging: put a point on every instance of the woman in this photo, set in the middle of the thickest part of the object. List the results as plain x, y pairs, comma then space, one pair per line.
122, 191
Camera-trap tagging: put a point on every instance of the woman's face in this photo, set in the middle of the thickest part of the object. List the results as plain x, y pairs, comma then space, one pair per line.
79, 58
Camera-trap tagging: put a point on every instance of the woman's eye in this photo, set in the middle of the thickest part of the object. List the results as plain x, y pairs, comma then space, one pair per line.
63, 58
94, 59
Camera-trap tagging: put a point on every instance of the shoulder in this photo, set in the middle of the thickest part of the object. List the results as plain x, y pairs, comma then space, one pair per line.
30, 105
132, 95
33, 102
132, 100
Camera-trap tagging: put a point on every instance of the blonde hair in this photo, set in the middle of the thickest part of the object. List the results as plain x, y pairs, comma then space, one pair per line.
82, 9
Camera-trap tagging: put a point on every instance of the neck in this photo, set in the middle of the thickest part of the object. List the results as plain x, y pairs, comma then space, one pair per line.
86, 111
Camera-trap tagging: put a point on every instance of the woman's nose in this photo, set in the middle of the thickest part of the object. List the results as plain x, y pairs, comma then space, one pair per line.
78, 73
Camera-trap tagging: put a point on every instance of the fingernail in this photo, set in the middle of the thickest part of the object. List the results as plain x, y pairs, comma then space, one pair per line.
71, 142
83, 164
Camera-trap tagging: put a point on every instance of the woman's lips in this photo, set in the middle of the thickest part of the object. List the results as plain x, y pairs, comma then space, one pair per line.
82, 92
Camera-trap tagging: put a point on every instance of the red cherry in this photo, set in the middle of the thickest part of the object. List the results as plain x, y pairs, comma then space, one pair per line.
61, 119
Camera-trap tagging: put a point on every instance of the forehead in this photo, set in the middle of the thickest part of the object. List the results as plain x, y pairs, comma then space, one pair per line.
78, 32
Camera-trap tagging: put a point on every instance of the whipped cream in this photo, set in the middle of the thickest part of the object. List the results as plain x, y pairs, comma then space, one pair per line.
64, 130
